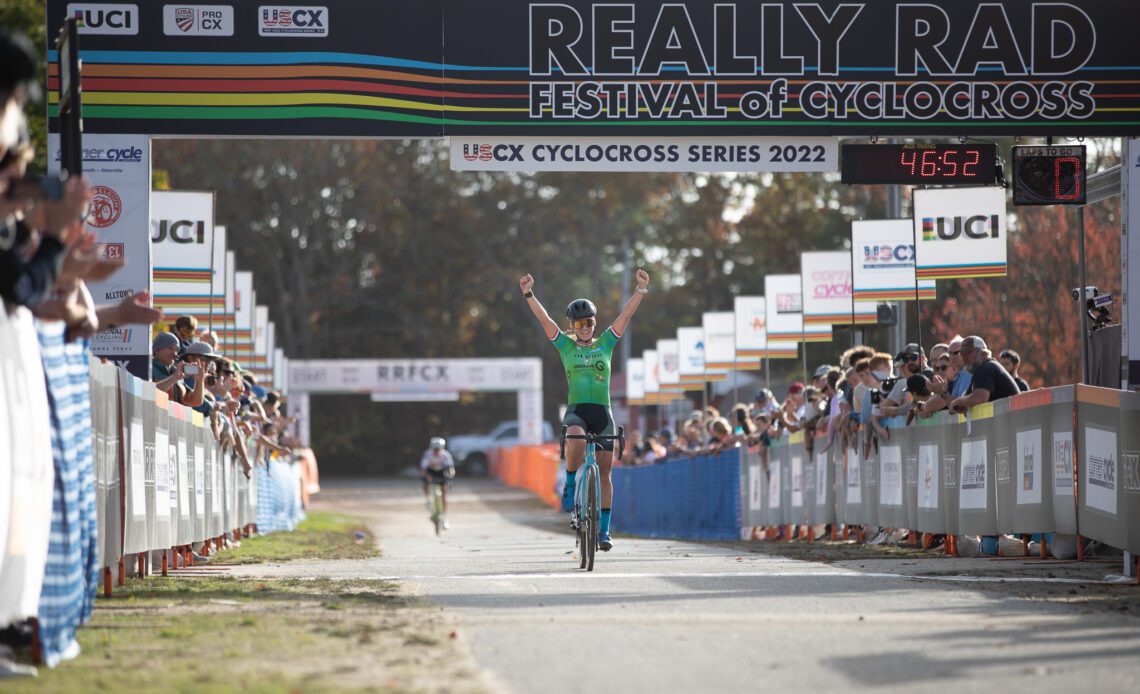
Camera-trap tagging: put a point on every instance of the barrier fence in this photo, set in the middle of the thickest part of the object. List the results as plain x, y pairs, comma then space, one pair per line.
1011, 466
162, 482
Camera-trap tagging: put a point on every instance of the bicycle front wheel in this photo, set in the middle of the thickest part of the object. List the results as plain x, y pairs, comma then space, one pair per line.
591, 508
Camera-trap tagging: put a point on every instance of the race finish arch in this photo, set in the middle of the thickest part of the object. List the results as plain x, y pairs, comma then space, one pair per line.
418, 380
693, 85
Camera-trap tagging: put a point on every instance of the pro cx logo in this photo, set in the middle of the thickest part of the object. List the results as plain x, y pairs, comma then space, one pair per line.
105, 19
198, 20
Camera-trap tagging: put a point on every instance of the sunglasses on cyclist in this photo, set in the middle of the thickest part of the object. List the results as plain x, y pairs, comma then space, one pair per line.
944, 367
583, 323
910, 357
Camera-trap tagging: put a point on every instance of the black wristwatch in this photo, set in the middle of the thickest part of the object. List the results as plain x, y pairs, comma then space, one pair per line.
528, 295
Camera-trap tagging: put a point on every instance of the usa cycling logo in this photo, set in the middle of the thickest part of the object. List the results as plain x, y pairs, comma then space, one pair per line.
106, 206
184, 18
478, 152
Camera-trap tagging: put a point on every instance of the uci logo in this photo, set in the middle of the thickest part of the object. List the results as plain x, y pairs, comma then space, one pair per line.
182, 231
105, 19
947, 229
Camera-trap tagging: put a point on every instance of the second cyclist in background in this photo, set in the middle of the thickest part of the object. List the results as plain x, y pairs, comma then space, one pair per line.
437, 467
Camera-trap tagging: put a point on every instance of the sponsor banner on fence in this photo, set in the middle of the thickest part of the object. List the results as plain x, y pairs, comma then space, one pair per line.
959, 232
610, 154
719, 329
118, 170
882, 260
826, 277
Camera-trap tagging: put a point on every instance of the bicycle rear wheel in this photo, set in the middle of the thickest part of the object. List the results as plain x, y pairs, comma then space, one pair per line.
592, 511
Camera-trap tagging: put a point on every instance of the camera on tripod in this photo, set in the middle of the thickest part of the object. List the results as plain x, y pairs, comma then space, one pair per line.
1096, 306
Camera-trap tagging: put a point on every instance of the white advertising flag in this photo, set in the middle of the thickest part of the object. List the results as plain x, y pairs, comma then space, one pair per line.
182, 247
635, 381
720, 341
691, 357
669, 366
652, 378
960, 232
784, 304
827, 291
882, 255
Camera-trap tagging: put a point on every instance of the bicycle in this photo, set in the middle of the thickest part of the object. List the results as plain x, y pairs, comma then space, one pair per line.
588, 493
436, 498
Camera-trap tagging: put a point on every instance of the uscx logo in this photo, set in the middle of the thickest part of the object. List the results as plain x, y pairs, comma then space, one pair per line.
948, 229
477, 152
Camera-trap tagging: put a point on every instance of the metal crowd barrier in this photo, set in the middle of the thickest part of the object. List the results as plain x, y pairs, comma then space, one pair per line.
163, 483
1007, 467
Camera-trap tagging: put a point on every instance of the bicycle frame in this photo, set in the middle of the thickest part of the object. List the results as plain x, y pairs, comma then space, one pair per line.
588, 493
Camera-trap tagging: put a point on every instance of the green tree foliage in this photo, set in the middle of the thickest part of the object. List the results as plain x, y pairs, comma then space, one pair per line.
375, 249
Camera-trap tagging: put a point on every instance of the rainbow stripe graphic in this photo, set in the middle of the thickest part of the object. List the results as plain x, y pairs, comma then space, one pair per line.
928, 229
895, 294
182, 274
951, 272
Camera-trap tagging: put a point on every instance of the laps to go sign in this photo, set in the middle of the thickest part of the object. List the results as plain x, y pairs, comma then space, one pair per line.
735, 154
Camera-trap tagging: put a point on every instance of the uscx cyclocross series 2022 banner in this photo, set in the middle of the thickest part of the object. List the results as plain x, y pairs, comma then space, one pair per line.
428, 68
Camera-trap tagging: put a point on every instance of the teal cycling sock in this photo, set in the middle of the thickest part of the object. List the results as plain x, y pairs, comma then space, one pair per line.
570, 479
604, 521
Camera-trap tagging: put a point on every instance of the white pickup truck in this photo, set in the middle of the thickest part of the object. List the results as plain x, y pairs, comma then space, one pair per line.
470, 450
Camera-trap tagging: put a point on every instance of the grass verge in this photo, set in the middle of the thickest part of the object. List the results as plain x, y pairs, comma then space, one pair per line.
321, 535
204, 631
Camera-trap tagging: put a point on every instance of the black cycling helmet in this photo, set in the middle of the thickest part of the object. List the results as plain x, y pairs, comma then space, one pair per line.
581, 308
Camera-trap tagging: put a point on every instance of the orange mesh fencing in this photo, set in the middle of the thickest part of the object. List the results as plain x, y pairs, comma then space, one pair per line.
529, 467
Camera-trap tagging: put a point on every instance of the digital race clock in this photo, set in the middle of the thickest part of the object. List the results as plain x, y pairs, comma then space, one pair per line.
970, 164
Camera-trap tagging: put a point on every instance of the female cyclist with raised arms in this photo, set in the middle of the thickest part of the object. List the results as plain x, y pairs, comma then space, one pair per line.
586, 359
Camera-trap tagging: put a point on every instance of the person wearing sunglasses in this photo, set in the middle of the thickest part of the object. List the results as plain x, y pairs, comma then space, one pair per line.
586, 359
913, 361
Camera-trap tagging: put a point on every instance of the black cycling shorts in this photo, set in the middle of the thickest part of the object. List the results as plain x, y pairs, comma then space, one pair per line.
436, 476
595, 419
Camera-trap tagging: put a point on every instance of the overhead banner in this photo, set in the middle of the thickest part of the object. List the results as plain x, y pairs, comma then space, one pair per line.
959, 232
414, 375
826, 285
695, 68
646, 154
182, 248
752, 343
691, 358
719, 329
669, 366
227, 333
882, 256
117, 168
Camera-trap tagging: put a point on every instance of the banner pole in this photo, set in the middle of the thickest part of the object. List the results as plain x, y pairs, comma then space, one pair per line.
917, 298
1081, 302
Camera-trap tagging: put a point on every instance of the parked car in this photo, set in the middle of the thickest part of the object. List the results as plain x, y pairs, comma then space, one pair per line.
470, 450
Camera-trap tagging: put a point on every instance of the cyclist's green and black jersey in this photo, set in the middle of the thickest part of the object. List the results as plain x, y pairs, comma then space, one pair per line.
588, 377
587, 367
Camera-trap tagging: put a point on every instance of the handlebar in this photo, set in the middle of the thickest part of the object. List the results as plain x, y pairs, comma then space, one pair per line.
592, 438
